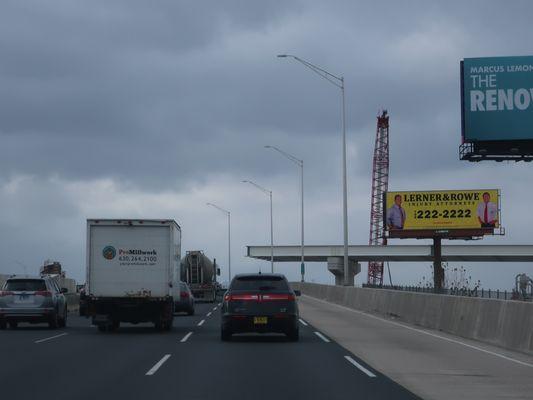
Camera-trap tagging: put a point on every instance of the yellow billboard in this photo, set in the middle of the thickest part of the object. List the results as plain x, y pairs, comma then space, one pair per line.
443, 209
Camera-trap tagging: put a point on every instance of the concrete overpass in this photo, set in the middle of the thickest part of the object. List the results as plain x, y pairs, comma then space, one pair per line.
333, 255
359, 253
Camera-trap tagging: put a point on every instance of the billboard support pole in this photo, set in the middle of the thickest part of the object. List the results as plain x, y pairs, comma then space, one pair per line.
438, 271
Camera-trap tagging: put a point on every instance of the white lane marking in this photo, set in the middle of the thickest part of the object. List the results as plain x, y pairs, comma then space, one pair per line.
214, 309
208, 314
154, 369
428, 333
325, 339
201, 322
303, 322
219, 304
50, 338
360, 367
187, 336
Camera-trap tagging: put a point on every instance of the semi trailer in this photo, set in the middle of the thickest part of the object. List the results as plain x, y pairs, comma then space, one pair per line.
200, 273
132, 272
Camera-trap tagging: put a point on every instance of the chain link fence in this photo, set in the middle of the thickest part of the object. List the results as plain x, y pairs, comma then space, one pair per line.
465, 292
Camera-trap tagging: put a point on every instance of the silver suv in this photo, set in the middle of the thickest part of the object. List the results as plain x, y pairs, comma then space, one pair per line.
33, 300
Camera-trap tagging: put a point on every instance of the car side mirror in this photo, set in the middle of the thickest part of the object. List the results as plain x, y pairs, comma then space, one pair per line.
297, 293
64, 290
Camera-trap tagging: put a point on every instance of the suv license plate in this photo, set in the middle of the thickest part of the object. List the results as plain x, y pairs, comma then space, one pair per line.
260, 320
23, 300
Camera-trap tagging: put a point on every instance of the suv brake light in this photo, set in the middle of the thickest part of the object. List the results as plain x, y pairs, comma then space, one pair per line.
5, 293
257, 297
184, 295
274, 297
44, 293
241, 297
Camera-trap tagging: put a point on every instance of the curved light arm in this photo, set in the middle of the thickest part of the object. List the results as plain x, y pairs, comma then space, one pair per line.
261, 188
333, 79
287, 155
220, 208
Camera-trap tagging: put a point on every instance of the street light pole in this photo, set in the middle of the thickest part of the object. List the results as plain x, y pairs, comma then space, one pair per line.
337, 81
229, 236
300, 163
344, 188
268, 193
271, 236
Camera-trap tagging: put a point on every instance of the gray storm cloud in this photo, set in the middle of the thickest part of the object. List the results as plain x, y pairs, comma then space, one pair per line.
134, 108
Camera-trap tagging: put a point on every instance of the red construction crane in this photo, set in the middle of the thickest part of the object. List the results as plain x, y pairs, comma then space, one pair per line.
380, 184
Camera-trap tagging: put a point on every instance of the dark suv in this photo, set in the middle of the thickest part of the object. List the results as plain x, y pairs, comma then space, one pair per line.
260, 303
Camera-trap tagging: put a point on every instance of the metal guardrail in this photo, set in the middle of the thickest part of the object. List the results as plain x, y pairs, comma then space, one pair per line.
464, 292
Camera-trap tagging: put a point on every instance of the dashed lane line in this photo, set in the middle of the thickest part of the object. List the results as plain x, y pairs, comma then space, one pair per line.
201, 322
51, 337
325, 339
303, 322
187, 336
158, 365
214, 309
208, 314
360, 367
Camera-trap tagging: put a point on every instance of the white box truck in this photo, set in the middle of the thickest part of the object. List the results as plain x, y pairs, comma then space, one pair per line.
132, 271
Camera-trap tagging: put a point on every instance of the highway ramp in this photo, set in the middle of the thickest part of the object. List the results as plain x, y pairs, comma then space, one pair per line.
432, 364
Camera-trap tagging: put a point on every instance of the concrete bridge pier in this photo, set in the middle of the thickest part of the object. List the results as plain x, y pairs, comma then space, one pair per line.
336, 267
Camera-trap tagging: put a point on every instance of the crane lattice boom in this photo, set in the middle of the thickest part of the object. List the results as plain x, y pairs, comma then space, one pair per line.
380, 183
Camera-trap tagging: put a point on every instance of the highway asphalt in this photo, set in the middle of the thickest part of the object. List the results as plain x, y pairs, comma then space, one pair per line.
189, 362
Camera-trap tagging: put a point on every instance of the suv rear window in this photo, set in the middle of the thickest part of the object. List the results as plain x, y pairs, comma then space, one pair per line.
25, 285
260, 283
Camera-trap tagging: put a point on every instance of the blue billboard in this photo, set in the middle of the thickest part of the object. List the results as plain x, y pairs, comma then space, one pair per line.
497, 99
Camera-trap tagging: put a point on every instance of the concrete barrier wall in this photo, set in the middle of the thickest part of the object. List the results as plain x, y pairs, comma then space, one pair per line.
508, 324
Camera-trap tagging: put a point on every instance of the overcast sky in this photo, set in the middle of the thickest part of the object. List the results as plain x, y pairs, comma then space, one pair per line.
151, 109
